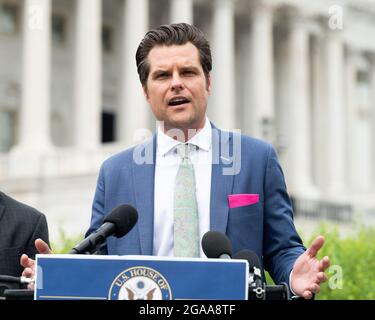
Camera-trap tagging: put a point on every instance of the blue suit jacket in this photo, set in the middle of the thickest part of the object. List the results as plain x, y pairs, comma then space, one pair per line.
265, 227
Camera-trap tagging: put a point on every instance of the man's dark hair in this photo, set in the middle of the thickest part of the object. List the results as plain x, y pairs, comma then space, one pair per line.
168, 35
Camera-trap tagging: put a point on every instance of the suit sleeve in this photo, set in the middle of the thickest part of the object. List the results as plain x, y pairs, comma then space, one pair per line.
40, 231
282, 244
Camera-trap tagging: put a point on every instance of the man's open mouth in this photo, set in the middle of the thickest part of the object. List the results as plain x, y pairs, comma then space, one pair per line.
178, 101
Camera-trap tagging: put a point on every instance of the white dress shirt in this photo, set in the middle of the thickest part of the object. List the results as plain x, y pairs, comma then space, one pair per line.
167, 164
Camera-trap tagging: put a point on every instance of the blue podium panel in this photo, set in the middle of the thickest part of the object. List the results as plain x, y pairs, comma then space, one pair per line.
139, 278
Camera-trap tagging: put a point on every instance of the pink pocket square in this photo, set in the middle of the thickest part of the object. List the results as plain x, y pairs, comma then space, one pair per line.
240, 200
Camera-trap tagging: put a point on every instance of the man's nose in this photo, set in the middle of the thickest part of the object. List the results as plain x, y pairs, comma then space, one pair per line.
177, 83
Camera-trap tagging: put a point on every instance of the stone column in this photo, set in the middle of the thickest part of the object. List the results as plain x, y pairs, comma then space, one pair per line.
334, 106
34, 117
182, 11
318, 111
350, 106
259, 109
88, 74
133, 109
297, 109
358, 121
222, 103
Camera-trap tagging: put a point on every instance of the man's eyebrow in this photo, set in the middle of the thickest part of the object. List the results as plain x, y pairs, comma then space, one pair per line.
190, 68
158, 71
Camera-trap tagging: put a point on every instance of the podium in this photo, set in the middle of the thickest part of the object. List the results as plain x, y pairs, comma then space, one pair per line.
94, 277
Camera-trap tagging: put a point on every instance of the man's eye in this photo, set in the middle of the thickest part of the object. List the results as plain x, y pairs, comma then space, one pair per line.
161, 76
189, 73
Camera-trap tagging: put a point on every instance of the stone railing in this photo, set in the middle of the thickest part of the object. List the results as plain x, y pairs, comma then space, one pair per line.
325, 210
55, 163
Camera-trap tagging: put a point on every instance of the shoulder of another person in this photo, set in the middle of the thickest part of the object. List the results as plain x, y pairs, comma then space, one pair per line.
22, 210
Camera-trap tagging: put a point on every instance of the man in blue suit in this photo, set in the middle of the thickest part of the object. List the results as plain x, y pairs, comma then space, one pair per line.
239, 188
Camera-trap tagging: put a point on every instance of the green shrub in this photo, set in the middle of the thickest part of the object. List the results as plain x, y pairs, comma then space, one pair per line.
64, 243
353, 258
351, 275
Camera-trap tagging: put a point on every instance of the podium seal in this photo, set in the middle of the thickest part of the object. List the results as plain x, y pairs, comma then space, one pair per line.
140, 283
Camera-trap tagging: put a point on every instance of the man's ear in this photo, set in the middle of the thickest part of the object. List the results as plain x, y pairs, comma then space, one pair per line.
209, 83
145, 92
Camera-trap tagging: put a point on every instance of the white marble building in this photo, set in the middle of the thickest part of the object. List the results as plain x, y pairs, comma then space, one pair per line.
297, 73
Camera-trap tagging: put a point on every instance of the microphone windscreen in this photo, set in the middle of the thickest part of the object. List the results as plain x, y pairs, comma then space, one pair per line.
124, 217
215, 244
250, 256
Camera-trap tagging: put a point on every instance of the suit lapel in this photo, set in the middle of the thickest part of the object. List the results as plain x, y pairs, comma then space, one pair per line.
221, 185
143, 181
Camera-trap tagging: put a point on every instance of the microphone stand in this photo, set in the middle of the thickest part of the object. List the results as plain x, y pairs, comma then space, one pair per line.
268, 292
18, 294
14, 288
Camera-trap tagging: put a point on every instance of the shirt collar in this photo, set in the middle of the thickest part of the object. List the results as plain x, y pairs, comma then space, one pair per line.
202, 140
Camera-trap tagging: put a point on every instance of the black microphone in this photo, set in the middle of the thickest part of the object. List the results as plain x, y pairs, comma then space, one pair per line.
256, 283
216, 245
119, 222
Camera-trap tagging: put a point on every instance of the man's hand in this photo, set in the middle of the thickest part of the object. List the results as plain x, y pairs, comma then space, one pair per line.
29, 264
308, 271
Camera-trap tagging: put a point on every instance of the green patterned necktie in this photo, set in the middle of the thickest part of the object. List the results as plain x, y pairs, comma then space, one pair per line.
186, 228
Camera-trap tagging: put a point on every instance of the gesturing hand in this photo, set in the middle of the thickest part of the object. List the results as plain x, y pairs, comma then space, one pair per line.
308, 271
29, 264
